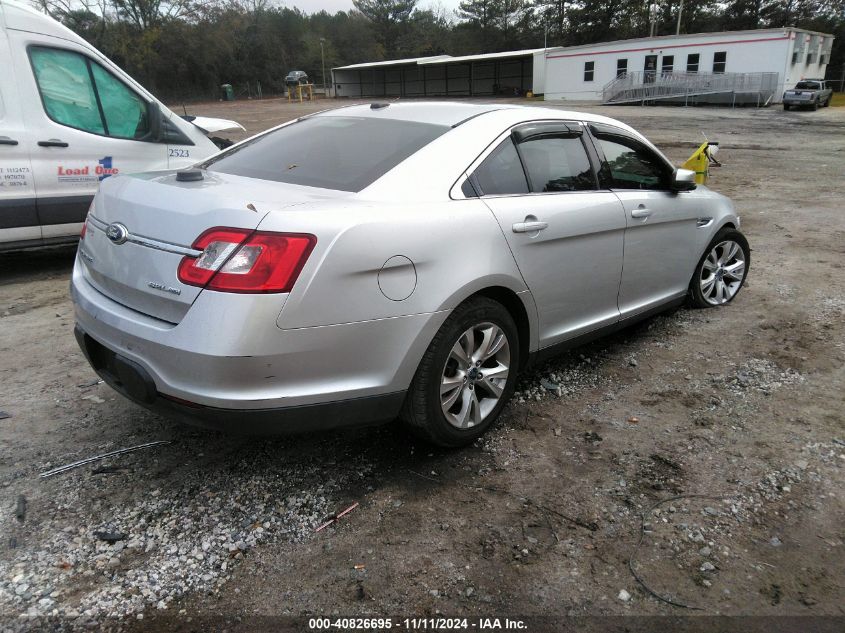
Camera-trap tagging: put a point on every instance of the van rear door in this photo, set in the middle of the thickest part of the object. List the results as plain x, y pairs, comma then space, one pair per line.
86, 122
18, 214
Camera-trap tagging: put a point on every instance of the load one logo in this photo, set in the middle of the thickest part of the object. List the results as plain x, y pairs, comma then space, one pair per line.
104, 168
102, 171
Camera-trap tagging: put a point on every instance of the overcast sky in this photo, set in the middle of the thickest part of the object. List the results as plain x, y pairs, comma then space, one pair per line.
311, 6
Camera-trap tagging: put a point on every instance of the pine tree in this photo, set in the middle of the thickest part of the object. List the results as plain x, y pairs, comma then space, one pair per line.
390, 20
483, 15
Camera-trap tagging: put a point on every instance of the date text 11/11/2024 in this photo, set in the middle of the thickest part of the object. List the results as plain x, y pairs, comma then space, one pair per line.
416, 624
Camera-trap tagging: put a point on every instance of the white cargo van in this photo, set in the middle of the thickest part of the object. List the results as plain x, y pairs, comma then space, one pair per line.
68, 119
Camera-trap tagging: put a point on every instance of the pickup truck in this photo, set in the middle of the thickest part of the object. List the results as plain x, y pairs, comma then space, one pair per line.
808, 93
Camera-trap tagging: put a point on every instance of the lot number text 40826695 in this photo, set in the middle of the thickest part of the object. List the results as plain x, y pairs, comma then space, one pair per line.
416, 624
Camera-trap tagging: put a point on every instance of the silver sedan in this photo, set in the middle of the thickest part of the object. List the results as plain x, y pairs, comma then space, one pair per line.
387, 261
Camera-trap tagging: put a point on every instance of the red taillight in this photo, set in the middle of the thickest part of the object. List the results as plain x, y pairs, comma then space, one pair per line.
240, 260
84, 228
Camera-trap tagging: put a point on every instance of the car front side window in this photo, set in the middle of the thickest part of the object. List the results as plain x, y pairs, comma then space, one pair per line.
630, 164
81, 94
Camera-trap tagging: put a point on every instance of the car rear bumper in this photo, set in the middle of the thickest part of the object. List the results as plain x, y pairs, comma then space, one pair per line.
216, 370
798, 102
134, 382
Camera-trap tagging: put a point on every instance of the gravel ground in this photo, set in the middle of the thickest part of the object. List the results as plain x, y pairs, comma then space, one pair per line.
714, 439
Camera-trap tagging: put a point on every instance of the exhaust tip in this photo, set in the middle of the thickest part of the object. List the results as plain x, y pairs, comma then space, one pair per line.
189, 175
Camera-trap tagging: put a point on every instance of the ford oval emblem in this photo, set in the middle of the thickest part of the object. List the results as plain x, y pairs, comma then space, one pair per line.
117, 233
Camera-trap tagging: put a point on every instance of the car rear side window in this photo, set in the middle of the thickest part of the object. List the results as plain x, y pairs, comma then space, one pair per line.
330, 152
557, 164
501, 172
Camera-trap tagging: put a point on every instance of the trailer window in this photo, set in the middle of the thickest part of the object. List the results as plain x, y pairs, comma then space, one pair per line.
692, 63
330, 152
81, 94
719, 61
589, 70
621, 67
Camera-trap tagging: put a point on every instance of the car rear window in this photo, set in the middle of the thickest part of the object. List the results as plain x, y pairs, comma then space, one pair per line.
807, 85
330, 152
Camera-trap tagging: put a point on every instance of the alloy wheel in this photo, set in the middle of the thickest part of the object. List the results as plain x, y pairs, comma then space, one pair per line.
722, 272
475, 375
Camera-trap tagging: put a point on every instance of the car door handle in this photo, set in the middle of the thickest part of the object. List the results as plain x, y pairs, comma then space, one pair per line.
5, 140
53, 142
529, 227
641, 212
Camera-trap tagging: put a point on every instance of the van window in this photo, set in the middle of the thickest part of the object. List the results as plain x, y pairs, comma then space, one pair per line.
81, 94
125, 112
66, 89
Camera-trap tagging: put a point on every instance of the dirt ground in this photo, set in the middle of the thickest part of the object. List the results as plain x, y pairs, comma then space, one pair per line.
707, 446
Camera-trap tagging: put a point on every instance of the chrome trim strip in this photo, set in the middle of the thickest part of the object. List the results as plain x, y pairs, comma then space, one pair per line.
163, 246
97, 222
149, 242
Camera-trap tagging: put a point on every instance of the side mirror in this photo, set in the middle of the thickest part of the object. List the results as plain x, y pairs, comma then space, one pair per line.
154, 117
683, 180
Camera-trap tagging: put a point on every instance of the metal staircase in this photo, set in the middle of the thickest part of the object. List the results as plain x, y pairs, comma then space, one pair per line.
690, 88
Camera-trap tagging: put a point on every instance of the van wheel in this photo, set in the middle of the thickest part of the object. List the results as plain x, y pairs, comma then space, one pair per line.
785, 106
722, 270
466, 376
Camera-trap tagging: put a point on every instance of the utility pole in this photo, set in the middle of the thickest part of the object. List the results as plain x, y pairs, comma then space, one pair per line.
323, 62
680, 11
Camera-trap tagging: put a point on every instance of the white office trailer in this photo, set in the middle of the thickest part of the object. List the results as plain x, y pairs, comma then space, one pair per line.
734, 67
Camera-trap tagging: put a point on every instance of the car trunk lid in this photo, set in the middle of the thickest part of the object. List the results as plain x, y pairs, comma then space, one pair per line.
140, 227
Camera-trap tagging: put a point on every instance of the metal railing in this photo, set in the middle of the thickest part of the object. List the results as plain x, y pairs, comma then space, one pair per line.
643, 86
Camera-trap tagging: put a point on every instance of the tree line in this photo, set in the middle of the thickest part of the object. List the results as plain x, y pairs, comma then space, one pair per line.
185, 49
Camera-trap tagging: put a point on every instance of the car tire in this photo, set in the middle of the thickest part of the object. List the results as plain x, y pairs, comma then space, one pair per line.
474, 328
826, 102
785, 106
815, 106
721, 271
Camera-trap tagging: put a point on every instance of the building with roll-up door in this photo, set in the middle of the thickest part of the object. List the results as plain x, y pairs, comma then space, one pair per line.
509, 73
733, 67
